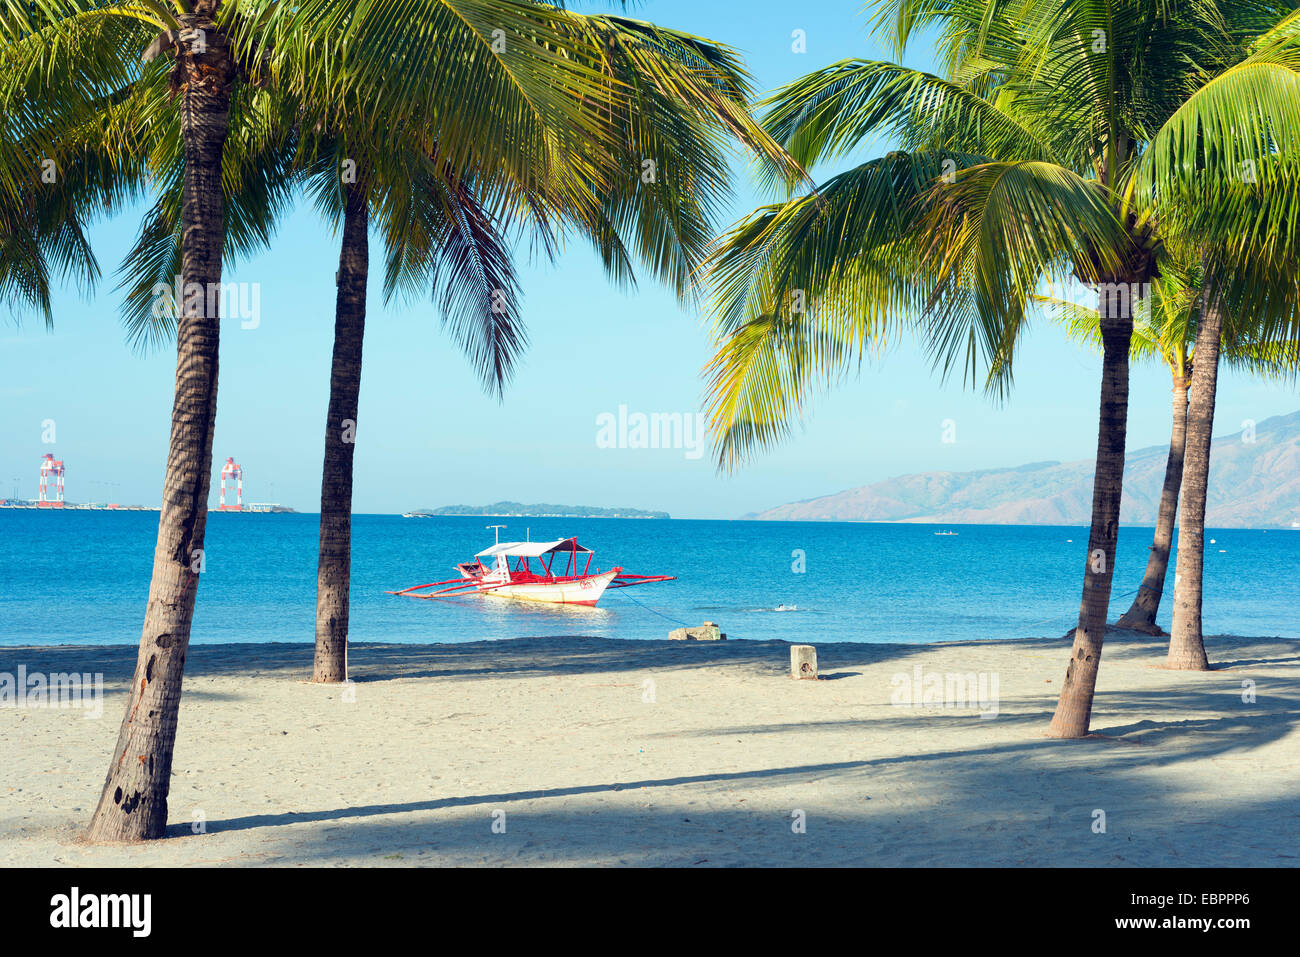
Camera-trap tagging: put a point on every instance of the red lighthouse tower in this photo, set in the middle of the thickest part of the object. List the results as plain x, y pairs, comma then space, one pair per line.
232, 472
51, 468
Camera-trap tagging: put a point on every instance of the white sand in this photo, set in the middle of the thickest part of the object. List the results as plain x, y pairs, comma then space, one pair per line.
555, 733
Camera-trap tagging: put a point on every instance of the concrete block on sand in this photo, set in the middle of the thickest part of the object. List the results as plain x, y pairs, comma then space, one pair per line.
705, 632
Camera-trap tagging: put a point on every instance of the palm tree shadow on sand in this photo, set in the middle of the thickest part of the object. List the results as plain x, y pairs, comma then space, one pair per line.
1000, 804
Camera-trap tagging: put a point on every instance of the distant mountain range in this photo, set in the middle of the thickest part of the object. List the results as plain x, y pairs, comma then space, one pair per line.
1252, 485
518, 510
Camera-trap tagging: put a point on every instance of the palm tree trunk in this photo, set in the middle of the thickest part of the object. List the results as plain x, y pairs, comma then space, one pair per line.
1074, 709
133, 805
1186, 643
1141, 616
334, 563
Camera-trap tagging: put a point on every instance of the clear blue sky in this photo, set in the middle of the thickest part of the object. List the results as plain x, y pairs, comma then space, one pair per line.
428, 435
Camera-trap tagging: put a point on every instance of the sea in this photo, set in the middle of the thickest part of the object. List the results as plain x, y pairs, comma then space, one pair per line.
82, 577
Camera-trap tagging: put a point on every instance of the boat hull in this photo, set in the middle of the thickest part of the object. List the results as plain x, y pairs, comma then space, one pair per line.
576, 591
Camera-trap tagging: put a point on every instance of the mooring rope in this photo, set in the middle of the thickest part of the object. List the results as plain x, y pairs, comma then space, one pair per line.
676, 621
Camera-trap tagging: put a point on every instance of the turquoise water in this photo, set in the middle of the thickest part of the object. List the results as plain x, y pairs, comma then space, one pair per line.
83, 577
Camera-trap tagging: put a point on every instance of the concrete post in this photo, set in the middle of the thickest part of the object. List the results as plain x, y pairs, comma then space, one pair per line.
803, 661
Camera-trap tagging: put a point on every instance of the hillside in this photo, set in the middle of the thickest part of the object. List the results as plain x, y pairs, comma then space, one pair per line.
1252, 485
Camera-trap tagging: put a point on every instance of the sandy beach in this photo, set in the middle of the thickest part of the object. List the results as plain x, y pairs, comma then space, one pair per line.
592, 751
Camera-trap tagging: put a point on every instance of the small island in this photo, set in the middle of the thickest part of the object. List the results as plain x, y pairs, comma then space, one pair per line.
519, 510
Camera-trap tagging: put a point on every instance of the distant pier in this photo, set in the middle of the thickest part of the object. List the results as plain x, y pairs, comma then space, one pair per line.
75, 506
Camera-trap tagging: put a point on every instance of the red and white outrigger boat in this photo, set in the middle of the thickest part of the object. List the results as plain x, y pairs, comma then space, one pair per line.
547, 584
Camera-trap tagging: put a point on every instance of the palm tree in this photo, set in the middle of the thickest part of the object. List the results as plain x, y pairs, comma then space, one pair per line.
80, 58
1173, 349
42, 243
334, 561
281, 147
1223, 170
435, 230
1162, 330
647, 92
45, 200
544, 106
1165, 330
42, 212
1018, 166
1268, 351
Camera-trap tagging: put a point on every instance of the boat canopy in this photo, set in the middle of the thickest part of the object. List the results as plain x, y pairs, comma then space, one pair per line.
533, 549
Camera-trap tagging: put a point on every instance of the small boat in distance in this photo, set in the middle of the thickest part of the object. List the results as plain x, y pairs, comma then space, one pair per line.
568, 586
947, 533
